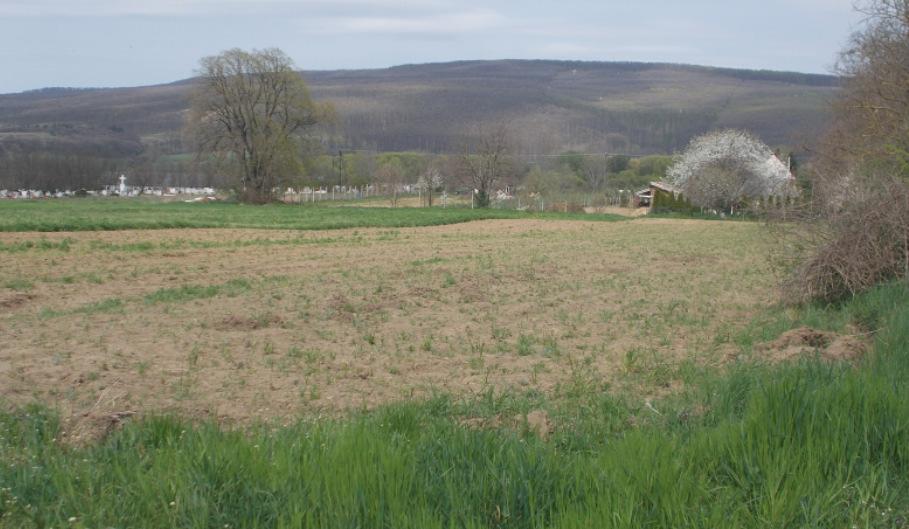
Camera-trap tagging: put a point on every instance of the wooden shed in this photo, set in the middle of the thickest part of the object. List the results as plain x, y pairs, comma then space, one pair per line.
644, 197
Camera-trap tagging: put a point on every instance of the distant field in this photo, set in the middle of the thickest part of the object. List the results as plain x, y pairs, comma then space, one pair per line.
115, 214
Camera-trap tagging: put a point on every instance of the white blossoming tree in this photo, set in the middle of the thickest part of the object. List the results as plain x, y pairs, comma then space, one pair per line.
720, 168
429, 181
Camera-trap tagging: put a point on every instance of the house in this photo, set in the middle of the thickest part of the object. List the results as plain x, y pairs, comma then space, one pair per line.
644, 197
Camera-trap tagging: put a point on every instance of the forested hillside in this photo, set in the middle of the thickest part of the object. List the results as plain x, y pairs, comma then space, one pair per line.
552, 106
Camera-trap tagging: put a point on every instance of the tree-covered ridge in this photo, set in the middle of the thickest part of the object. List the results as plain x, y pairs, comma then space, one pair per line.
558, 105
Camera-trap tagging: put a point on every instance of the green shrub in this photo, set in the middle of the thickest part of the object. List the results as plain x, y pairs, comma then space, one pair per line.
664, 202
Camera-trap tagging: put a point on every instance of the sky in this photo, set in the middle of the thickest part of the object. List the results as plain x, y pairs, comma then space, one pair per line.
95, 43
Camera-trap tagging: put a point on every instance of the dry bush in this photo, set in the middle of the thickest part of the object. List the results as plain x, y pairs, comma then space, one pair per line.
567, 206
842, 253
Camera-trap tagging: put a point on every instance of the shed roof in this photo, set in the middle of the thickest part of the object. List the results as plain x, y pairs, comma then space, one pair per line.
663, 186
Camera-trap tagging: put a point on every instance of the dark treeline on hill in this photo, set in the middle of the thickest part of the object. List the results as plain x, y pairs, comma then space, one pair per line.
551, 107
559, 105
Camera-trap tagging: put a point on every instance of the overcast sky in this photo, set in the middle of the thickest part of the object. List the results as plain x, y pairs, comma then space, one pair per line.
135, 42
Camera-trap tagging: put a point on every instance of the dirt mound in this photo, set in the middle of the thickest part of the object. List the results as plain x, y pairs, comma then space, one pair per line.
846, 348
536, 422
94, 426
539, 423
805, 341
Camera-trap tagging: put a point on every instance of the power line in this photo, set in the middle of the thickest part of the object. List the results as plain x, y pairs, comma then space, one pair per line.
572, 153
523, 155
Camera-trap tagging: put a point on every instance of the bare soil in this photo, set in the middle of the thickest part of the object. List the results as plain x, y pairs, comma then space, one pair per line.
322, 322
808, 342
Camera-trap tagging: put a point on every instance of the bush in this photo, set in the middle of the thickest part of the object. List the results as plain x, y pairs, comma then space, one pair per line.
667, 202
863, 243
568, 206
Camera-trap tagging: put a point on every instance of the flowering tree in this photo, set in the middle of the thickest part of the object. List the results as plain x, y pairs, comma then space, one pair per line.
720, 168
429, 181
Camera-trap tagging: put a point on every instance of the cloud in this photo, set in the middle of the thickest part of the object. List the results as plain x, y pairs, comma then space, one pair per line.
655, 50
41, 8
566, 49
825, 5
451, 22
57, 34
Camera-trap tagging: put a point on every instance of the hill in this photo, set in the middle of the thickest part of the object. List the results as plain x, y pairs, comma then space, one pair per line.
551, 105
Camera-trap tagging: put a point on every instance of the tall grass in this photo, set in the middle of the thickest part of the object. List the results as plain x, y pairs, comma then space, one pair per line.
804, 444
115, 214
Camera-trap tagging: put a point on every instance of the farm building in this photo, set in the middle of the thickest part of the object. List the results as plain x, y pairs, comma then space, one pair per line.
644, 198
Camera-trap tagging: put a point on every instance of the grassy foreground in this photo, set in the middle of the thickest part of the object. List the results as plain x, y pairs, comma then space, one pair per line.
795, 445
115, 214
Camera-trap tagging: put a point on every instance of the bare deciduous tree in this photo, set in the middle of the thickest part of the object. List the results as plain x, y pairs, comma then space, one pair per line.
392, 177
873, 110
855, 231
249, 111
485, 161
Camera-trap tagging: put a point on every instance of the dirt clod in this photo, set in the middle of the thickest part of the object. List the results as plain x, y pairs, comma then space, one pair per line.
807, 342
538, 422
16, 301
95, 426
845, 348
243, 323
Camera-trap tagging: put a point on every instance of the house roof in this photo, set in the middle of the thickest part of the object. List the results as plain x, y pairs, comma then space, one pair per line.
778, 168
663, 186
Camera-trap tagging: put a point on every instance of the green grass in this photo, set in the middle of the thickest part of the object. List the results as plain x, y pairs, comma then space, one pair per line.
181, 294
183, 244
20, 285
184, 293
803, 444
115, 214
110, 305
40, 244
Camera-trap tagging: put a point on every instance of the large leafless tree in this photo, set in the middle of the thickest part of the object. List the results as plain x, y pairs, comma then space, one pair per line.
875, 104
855, 230
392, 177
869, 137
249, 112
485, 161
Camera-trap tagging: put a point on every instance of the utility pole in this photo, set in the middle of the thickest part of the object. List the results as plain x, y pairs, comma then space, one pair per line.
340, 165
605, 168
